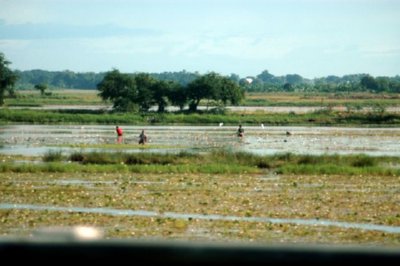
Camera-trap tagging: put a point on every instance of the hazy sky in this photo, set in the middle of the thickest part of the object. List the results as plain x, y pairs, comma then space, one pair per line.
313, 38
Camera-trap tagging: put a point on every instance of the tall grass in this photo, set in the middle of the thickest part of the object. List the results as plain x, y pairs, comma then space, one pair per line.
52, 156
61, 167
218, 161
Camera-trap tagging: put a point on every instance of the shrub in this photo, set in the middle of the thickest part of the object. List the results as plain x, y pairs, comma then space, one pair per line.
52, 156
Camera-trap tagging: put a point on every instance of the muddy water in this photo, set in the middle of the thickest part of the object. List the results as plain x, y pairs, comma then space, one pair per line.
39, 139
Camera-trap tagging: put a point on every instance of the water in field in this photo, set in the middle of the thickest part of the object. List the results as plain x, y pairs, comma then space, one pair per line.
173, 215
39, 139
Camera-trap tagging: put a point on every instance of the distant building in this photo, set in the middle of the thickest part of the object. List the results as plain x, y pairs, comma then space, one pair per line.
249, 80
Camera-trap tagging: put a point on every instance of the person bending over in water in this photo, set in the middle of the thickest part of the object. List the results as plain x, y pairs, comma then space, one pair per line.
240, 131
142, 138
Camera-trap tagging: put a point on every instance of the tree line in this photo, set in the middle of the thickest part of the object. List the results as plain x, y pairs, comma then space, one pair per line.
66, 79
179, 88
263, 82
266, 82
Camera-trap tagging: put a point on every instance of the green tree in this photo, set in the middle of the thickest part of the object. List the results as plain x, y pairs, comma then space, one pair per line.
177, 95
234, 77
213, 86
288, 87
7, 78
160, 91
265, 77
41, 87
119, 88
369, 83
230, 92
383, 84
294, 79
203, 87
146, 85
164, 92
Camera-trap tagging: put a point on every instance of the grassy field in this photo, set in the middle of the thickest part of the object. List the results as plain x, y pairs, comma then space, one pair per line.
182, 201
55, 97
355, 100
349, 115
217, 162
319, 118
90, 97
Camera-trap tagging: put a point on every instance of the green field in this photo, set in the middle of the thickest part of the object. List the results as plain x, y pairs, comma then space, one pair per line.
318, 118
355, 99
90, 97
54, 97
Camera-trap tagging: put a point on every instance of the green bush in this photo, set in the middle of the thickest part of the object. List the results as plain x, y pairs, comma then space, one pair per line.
53, 156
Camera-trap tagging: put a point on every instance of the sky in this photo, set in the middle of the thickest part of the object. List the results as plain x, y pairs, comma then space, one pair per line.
312, 38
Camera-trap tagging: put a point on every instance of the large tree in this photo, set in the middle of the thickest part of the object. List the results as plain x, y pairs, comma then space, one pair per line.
41, 87
7, 78
119, 88
266, 77
368, 82
164, 92
145, 85
230, 92
213, 86
177, 95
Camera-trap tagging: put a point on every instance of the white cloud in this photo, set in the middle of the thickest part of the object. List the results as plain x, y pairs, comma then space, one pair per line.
22, 11
13, 44
67, 31
380, 50
241, 47
123, 45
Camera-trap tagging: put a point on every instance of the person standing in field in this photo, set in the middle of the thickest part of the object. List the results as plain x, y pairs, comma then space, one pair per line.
240, 131
120, 134
142, 138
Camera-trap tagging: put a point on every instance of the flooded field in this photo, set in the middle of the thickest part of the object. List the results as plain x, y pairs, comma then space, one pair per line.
35, 140
263, 206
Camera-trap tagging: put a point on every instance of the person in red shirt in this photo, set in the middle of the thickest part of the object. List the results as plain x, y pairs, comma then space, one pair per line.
119, 133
